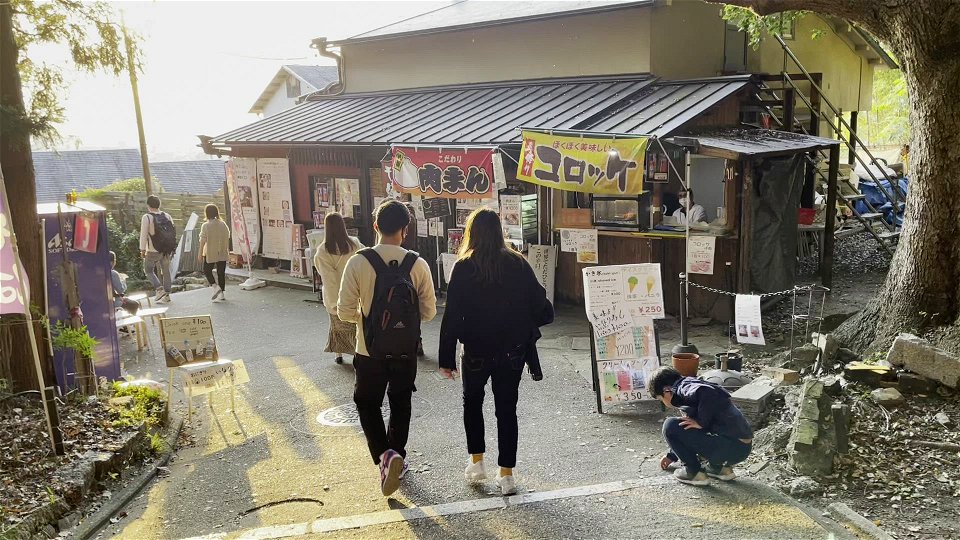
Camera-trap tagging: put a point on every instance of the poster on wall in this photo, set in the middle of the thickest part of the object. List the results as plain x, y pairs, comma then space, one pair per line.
248, 193
511, 216
748, 319
443, 172
435, 207
588, 165
626, 380
466, 206
276, 210
543, 260
583, 242
348, 197
454, 239
701, 253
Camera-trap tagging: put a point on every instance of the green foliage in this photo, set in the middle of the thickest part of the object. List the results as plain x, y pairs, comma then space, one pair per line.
130, 185
76, 339
888, 122
757, 26
157, 443
147, 406
127, 247
94, 41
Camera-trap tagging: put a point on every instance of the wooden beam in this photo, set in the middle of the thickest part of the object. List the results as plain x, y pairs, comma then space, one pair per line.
830, 218
851, 157
744, 196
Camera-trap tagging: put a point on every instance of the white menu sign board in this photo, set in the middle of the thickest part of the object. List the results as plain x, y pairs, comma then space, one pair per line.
701, 252
635, 287
543, 259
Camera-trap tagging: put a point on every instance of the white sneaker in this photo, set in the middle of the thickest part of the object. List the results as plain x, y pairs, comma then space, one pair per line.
222, 296
475, 472
162, 297
508, 486
216, 292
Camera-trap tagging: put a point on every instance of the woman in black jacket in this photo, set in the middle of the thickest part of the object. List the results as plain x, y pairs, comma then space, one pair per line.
495, 306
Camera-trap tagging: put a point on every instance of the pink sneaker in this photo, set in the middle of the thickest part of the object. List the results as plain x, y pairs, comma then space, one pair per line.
391, 466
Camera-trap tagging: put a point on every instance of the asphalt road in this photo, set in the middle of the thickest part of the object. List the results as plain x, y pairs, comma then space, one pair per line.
271, 464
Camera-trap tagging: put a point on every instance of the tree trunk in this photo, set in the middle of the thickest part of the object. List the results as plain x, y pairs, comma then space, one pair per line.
17, 162
922, 290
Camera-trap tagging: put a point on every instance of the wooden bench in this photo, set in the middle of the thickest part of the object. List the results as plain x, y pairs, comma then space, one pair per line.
125, 320
154, 314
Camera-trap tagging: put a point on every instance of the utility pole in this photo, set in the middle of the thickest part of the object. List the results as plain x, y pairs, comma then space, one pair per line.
148, 183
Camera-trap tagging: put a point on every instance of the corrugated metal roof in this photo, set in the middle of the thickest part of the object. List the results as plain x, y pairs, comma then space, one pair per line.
757, 142
473, 14
489, 113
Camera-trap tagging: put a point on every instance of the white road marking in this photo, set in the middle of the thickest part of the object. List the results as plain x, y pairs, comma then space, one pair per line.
427, 512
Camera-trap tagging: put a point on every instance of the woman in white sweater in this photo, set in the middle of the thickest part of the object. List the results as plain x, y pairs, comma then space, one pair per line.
330, 260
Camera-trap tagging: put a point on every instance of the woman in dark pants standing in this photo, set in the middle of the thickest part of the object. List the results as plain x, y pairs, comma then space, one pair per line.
495, 306
214, 250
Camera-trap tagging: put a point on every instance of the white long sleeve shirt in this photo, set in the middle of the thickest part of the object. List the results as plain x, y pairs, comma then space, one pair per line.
358, 283
146, 230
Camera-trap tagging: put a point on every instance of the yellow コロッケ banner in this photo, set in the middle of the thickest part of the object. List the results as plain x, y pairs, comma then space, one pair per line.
589, 165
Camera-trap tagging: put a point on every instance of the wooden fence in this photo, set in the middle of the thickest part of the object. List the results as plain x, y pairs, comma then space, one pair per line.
127, 208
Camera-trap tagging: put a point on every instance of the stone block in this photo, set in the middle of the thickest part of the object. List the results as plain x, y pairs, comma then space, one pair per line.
812, 443
781, 375
832, 385
803, 357
887, 397
828, 346
841, 424
910, 383
919, 356
68, 522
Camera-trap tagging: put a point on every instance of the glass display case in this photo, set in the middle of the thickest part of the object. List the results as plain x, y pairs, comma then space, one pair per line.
621, 213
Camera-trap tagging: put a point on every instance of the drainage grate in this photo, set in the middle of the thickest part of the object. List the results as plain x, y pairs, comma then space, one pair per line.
346, 415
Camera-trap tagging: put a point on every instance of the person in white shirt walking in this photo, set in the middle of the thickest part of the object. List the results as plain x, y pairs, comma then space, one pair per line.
214, 250
388, 291
158, 242
330, 260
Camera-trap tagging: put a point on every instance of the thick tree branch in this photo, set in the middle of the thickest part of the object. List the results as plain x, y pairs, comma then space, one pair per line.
870, 14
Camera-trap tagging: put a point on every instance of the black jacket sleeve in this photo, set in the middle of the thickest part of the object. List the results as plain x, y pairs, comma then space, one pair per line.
452, 319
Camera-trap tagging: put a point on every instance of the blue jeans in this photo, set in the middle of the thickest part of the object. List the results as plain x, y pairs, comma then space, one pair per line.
155, 263
690, 444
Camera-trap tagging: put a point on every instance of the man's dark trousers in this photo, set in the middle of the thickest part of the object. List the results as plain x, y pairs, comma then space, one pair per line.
376, 376
689, 444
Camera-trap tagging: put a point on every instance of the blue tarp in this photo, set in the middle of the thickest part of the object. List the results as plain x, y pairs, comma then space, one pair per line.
879, 201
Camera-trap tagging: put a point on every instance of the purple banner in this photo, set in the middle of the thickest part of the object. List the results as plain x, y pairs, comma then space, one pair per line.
96, 294
11, 296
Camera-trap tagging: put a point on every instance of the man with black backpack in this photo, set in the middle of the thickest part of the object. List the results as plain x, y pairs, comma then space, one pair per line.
388, 291
158, 242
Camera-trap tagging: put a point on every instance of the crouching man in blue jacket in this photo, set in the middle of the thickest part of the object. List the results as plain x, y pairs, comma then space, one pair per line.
711, 427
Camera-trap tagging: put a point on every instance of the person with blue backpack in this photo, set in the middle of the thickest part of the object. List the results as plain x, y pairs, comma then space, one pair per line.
158, 242
387, 290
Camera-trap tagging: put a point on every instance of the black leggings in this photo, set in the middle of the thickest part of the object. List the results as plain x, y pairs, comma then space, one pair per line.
221, 272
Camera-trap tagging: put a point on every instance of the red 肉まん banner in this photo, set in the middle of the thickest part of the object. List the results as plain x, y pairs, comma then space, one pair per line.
443, 172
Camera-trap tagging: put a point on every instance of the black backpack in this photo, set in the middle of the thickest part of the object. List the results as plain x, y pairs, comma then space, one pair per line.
392, 328
164, 235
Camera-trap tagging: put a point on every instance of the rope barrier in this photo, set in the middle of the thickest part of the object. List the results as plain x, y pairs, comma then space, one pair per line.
805, 288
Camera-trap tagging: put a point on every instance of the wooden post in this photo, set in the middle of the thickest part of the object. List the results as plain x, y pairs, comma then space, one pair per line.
851, 156
789, 108
746, 223
830, 218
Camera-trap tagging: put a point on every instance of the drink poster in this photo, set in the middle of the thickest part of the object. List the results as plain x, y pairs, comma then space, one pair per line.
188, 339
622, 381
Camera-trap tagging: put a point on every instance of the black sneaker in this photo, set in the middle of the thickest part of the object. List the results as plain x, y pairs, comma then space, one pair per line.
720, 473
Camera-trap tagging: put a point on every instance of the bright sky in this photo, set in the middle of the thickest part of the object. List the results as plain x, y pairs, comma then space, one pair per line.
205, 63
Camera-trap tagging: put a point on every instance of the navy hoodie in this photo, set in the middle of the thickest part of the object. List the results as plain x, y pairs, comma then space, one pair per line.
711, 407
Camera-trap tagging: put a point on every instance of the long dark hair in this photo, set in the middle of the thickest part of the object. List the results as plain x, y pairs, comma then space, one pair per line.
336, 241
483, 243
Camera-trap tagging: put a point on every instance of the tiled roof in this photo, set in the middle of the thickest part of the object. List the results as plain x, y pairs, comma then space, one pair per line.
490, 113
316, 76
202, 177
57, 173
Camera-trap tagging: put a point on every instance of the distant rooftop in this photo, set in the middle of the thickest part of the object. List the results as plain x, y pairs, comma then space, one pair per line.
316, 77
476, 13
60, 172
